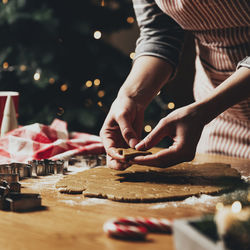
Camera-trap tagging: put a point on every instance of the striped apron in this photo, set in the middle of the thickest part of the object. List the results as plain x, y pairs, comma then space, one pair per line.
222, 36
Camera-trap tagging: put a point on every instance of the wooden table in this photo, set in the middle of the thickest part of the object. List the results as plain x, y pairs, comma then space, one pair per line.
74, 222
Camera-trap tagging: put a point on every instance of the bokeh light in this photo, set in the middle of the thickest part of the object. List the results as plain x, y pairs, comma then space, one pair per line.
236, 207
97, 34
219, 206
5, 65
171, 105
97, 82
101, 93
88, 84
37, 76
130, 19
147, 128
132, 55
52, 80
23, 67
64, 87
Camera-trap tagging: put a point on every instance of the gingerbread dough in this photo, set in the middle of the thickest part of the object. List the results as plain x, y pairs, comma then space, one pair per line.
148, 184
130, 153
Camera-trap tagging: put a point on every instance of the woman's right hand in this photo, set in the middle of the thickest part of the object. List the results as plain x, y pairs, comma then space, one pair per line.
122, 128
123, 124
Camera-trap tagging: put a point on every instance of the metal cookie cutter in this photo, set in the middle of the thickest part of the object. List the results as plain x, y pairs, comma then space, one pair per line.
10, 178
49, 166
4, 191
41, 168
55, 167
46, 167
4, 188
22, 202
101, 160
12, 181
37, 168
5, 169
59, 167
24, 170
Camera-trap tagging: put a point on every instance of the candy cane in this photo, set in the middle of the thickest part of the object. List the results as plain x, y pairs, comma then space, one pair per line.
136, 227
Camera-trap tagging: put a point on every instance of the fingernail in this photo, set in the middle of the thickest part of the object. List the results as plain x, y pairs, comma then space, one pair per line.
140, 146
132, 142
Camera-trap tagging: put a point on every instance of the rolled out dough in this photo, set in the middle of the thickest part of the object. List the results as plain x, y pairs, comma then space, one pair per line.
148, 184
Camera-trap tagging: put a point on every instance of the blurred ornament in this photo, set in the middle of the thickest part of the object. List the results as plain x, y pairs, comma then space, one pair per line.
233, 226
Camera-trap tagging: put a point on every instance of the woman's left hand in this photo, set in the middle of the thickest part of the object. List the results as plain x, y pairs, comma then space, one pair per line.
184, 127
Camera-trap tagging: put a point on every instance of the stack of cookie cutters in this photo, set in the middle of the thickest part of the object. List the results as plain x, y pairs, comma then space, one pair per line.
33, 168
11, 198
14, 171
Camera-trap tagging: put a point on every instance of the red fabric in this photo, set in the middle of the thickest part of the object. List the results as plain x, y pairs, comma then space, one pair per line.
38, 141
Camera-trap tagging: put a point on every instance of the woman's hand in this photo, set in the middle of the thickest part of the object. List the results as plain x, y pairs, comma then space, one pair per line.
122, 128
123, 124
184, 127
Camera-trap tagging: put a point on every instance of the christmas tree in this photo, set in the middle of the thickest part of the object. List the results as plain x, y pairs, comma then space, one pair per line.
55, 54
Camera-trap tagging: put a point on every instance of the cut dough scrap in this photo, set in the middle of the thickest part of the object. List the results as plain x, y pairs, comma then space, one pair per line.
148, 184
130, 153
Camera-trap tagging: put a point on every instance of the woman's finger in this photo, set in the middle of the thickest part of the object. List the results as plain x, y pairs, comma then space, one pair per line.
154, 137
164, 158
127, 131
115, 164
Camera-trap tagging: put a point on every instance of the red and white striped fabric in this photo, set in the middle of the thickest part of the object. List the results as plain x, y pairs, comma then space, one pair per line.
221, 30
38, 141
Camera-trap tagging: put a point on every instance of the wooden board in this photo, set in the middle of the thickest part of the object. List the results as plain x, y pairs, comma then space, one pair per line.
72, 222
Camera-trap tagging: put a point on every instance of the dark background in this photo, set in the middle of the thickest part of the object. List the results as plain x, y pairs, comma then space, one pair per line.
49, 54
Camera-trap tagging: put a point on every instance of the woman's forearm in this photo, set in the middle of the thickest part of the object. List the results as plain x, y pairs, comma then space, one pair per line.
146, 78
233, 90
